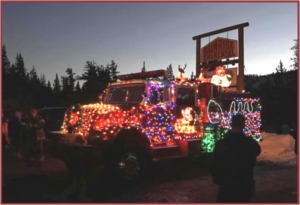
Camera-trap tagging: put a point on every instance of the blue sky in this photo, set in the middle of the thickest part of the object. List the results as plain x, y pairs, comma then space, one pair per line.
55, 36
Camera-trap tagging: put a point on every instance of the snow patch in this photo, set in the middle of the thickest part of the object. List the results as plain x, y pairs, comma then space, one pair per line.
277, 148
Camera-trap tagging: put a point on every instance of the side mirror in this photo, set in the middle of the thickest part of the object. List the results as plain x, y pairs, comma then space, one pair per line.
144, 95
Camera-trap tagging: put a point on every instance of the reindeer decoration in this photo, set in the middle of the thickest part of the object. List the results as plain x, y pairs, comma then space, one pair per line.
201, 77
180, 72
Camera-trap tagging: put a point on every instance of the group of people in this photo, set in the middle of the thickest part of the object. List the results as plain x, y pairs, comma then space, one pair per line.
13, 131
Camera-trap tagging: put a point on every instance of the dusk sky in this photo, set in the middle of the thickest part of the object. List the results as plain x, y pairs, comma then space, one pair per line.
55, 36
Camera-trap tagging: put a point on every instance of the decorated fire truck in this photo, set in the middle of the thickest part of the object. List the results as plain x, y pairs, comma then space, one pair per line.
144, 118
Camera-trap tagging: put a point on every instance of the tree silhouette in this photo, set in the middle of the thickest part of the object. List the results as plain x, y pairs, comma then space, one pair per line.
90, 86
77, 88
113, 71
19, 77
20, 66
43, 80
96, 79
280, 68
170, 75
295, 57
49, 85
70, 80
57, 91
144, 67
6, 77
5, 62
193, 77
56, 85
33, 77
64, 82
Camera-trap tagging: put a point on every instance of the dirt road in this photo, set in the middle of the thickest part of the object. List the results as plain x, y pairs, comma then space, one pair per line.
179, 181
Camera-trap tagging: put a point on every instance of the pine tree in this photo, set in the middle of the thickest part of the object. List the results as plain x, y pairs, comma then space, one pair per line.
70, 80
280, 68
295, 57
20, 66
49, 85
193, 77
48, 95
43, 80
56, 85
33, 77
77, 88
144, 67
7, 86
170, 75
64, 82
113, 71
19, 77
10, 90
5, 62
105, 76
96, 79
91, 82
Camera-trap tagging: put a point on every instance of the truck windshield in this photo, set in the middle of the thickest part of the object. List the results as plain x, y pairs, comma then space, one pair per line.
132, 93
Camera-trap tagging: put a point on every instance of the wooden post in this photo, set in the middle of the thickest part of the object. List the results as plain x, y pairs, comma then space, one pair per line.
198, 47
241, 60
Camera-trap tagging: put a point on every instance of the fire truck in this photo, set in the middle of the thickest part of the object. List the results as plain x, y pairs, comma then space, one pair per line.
145, 118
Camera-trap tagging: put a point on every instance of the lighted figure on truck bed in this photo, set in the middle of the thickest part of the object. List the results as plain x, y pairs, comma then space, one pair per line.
220, 78
149, 106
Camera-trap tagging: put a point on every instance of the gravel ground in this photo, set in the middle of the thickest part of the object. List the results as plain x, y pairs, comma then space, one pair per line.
180, 181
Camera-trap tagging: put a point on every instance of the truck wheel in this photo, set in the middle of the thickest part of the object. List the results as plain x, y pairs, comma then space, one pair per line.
129, 164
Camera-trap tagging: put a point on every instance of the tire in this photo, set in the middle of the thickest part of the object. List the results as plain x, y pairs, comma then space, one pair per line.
129, 163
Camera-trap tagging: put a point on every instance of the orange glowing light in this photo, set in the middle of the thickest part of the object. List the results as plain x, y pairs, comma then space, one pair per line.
183, 125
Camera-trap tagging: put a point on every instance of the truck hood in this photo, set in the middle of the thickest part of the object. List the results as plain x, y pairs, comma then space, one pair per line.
109, 119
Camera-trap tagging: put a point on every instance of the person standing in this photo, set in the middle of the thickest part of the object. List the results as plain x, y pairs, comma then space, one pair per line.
4, 131
16, 133
80, 167
36, 138
232, 164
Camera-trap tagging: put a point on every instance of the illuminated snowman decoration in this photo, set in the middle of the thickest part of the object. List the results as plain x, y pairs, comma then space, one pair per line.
221, 78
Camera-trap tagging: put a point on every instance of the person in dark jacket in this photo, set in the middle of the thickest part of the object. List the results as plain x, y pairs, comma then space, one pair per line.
80, 168
36, 138
232, 164
17, 129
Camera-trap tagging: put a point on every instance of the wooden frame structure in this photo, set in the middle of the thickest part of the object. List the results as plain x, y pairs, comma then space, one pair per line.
240, 59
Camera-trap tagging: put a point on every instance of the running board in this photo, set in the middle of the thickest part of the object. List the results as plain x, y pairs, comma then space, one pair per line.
166, 158
164, 151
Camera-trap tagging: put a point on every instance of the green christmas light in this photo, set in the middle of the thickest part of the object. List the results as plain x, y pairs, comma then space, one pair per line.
208, 142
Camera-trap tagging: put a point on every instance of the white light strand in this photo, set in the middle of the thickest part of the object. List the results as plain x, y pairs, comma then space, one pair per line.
240, 107
209, 102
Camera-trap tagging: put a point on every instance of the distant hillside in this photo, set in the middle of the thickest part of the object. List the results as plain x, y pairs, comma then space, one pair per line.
278, 94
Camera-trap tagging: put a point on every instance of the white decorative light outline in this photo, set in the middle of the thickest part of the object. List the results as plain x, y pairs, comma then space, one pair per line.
240, 107
210, 101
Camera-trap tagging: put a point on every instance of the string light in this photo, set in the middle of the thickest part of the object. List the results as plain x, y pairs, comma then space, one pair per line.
157, 118
252, 116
